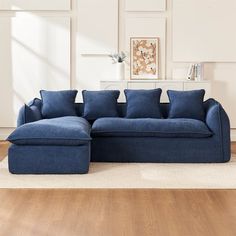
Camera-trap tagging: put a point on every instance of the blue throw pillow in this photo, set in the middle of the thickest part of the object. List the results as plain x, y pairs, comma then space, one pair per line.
58, 103
186, 104
99, 104
143, 103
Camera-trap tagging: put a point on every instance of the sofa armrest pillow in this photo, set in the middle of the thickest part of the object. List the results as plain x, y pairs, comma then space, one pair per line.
143, 103
187, 104
58, 103
30, 112
98, 104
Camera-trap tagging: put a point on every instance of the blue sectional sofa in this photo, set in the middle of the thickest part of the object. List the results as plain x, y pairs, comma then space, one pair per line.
68, 144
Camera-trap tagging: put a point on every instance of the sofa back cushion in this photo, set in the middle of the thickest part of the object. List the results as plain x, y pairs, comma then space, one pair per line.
99, 104
187, 104
143, 103
121, 107
58, 103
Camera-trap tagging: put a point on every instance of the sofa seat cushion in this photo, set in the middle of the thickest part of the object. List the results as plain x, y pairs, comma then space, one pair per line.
68, 130
148, 127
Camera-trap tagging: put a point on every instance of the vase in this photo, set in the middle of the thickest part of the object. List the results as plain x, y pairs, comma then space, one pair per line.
120, 71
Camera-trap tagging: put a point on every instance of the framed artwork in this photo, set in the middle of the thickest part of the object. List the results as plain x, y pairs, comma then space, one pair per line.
144, 58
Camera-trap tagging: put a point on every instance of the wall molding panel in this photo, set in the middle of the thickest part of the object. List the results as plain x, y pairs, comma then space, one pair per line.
35, 55
147, 5
97, 36
96, 39
29, 5
202, 31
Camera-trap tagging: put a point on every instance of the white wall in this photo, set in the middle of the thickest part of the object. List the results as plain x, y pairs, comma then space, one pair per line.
201, 30
97, 37
35, 54
55, 55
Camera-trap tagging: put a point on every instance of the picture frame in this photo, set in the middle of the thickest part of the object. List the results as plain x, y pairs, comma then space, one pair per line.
144, 58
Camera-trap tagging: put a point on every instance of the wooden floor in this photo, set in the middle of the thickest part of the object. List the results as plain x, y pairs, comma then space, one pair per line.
233, 147
117, 212
3, 149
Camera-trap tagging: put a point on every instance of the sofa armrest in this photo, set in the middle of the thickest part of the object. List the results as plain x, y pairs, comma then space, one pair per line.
218, 122
30, 113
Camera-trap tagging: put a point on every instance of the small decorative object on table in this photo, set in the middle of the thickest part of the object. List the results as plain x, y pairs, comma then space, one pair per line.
144, 59
195, 72
199, 71
119, 59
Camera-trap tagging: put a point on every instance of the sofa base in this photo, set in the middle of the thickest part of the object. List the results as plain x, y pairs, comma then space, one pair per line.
49, 159
158, 150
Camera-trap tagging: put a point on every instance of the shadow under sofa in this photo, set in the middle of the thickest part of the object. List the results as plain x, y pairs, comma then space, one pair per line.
117, 140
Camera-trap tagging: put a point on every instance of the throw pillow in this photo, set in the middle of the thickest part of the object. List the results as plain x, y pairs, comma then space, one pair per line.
58, 103
99, 104
143, 103
186, 104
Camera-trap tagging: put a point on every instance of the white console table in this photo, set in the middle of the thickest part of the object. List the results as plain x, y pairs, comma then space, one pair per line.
182, 85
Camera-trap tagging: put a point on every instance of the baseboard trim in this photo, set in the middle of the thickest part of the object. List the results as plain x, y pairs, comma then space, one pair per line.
4, 133
233, 135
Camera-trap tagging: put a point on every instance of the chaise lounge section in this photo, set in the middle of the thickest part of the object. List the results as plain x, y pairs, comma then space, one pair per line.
51, 146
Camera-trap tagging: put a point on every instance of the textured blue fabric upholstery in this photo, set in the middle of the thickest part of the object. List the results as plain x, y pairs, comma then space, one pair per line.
68, 130
218, 122
131, 140
148, 127
154, 149
58, 103
30, 113
79, 107
186, 104
171, 150
143, 103
100, 104
49, 159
